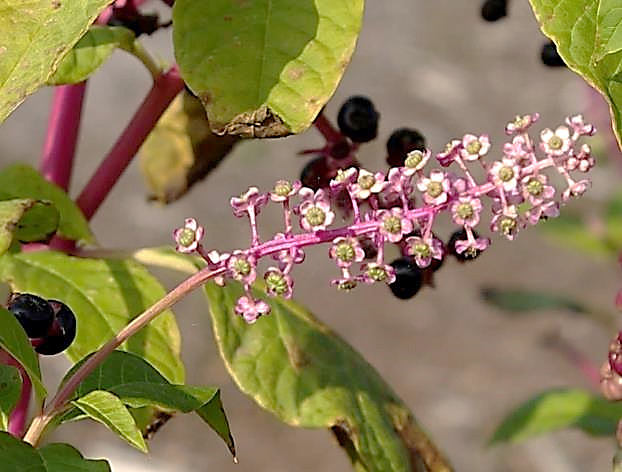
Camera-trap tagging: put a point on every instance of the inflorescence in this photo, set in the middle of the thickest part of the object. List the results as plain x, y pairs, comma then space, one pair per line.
401, 208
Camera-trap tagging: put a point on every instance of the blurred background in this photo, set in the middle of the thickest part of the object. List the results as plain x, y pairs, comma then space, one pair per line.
458, 363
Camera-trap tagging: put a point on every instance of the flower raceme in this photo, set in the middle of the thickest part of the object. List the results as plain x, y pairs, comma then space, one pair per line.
525, 184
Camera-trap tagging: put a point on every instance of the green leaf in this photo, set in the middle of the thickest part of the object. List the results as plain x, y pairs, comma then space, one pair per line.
527, 300
264, 68
16, 455
166, 257
35, 36
13, 340
26, 220
138, 384
93, 49
22, 181
560, 409
104, 295
296, 368
109, 410
10, 389
181, 150
588, 36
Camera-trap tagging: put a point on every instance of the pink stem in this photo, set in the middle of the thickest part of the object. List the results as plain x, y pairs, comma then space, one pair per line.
165, 88
17, 420
327, 129
62, 134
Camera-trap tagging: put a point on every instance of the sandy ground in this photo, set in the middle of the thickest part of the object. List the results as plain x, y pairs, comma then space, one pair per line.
458, 363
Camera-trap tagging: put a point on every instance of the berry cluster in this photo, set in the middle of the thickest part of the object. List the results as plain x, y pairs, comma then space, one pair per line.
50, 324
401, 208
126, 14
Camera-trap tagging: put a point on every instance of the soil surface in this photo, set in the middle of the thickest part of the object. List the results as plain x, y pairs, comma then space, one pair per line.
459, 364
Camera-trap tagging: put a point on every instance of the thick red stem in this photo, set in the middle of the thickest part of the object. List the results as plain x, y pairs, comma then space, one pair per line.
165, 88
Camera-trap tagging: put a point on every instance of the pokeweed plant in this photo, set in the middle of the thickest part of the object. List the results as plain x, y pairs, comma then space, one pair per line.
257, 72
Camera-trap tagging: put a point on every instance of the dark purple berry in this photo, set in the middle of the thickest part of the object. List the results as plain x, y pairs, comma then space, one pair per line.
550, 57
62, 332
401, 142
493, 10
317, 174
408, 278
358, 119
34, 314
461, 235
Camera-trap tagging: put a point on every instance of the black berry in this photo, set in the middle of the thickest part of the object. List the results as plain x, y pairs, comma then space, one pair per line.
461, 235
317, 174
358, 119
401, 142
550, 57
62, 332
408, 278
33, 313
493, 10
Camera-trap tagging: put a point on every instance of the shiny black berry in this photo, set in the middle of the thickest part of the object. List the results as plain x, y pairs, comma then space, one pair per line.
62, 332
408, 278
401, 142
461, 235
493, 10
317, 174
358, 119
550, 57
34, 314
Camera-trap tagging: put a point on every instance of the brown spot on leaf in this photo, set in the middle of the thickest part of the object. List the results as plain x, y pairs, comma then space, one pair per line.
227, 18
296, 73
56, 4
260, 123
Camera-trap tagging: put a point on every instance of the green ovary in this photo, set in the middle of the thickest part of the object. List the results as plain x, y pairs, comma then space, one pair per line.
282, 188
315, 216
555, 142
186, 237
507, 225
276, 283
242, 267
345, 252
413, 159
366, 181
474, 147
392, 225
465, 211
506, 173
421, 249
435, 189
535, 187
377, 273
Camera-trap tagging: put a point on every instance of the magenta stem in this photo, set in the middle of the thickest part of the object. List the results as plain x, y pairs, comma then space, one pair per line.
62, 134
165, 88
17, 420
327, 129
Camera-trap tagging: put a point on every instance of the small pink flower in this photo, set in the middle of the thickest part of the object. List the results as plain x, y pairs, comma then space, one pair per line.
398, 181
392, 224
187, 239
575, 189
284, 190
542, 211
434, 188
521, 124
424, 250
374, 272
474, 147
505, 174
507, 222
251, 309
555, 143
517, 149
472, 246
242, 267
278, 283
415, 161
579, 126
465, 210
368, 183
315, 210
582, 161
344, 178
346, 251
452, 149
251, 199
536, 190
